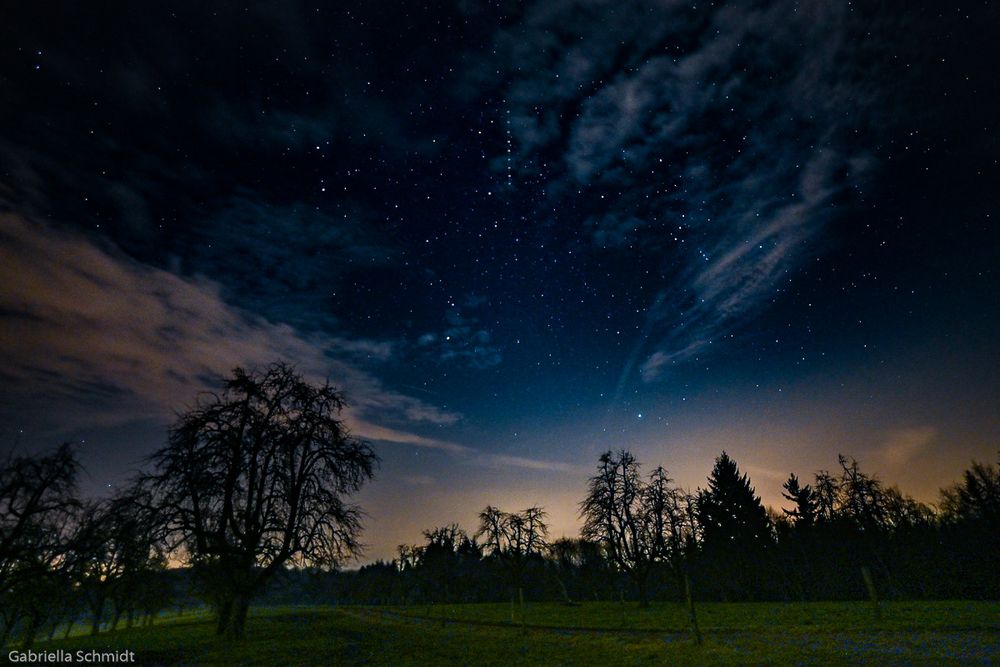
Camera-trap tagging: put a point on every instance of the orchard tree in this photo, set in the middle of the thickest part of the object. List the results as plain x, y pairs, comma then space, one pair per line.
616, 516
37, 500
513, 538
256, 478
671, 531
38, 504
117, 552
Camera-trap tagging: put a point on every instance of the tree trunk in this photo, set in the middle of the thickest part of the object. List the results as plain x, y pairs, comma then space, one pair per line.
97, 611
866, 574
640, 585
31, 630
69, 627
5, 634
692, 616
563, 591
520, 598
238, 619
129, 618
116, 618
224, 620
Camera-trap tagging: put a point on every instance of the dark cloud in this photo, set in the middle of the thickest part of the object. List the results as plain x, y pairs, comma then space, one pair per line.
463, 339
286, 261
102, 339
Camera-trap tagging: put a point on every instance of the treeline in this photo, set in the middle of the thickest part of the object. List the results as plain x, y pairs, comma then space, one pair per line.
645, 538
247, 502
64, 559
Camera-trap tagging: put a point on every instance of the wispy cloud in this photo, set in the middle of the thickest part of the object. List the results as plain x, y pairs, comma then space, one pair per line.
386, 434
716, 138
285, 261
903, 446
466, 453
93, 338
535, 464
103, 338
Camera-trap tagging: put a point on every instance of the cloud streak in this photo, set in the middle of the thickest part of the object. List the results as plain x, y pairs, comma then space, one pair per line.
717, 139
102, 340
90, 325
903, 446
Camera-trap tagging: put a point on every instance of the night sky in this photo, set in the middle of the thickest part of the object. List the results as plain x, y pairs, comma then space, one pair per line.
516, 234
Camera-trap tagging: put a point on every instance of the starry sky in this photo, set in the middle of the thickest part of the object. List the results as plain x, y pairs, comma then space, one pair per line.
516, 234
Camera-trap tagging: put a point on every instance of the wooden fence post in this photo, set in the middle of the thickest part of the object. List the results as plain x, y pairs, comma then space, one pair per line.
520, 597
692, 617
872, 594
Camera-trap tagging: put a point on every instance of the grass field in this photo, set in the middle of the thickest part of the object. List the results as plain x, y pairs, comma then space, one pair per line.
929, 633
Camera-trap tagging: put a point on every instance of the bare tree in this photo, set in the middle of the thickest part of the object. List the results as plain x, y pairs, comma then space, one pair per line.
117, 550
667, 521
37, 495
615, 514
513, 538
254, 479
862, 496
37, 505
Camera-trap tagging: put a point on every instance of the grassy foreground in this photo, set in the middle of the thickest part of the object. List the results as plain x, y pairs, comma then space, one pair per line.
824, 633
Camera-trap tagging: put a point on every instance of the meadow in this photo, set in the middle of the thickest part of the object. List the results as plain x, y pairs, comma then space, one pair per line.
936, 633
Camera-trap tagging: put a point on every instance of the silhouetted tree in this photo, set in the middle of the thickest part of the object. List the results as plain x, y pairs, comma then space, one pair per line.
803, 514
668, 521
565, 559
580, 569
118, 552
37, 496
407, 560
861, 497
971, 527
616, 516
255, 478
976, 497
513, 539
735, 527
825, 491
445, 560
903, 512
731, 512
37, 506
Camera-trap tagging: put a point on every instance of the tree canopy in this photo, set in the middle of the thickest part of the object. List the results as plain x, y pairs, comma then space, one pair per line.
256, 477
